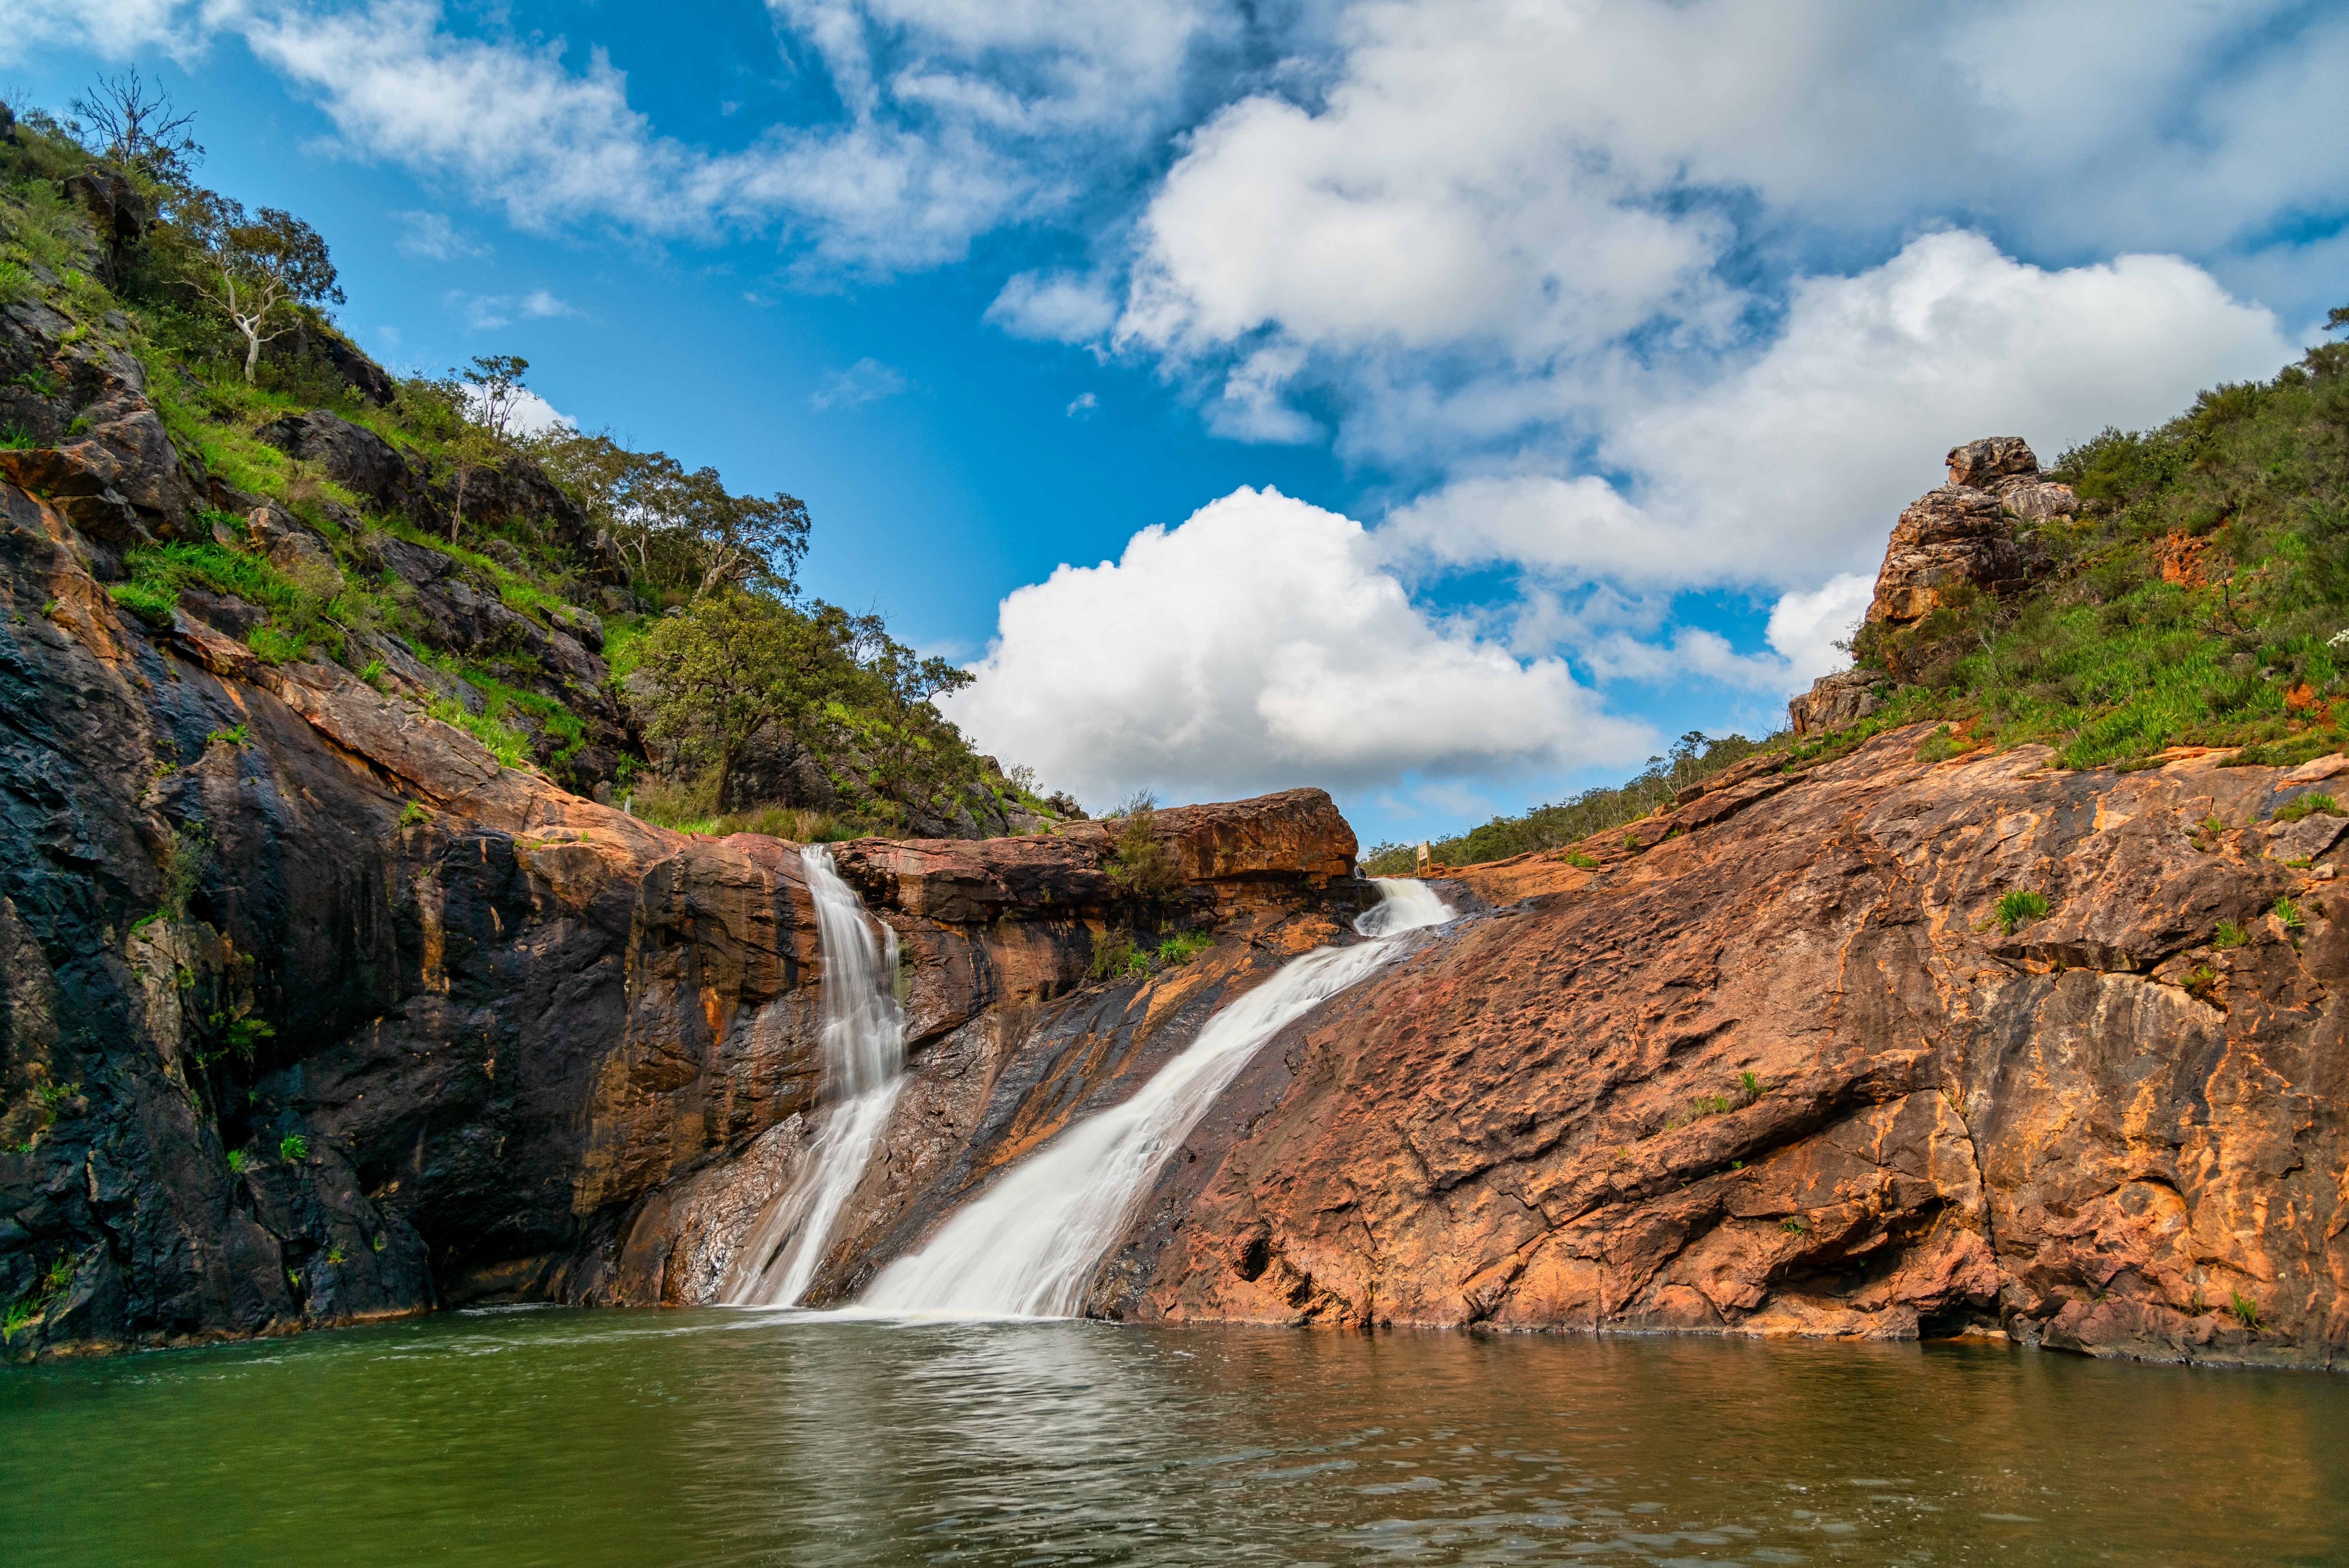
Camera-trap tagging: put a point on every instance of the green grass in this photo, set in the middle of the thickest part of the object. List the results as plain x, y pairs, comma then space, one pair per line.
2020, 907
2246, 1311
2230, 935
503, 742
1183, 946
234, 735
237, 1161
2309, 806
2288, 915
414, 815
292, 1148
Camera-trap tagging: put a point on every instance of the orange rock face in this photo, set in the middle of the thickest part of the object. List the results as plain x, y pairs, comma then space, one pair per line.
1784, 1071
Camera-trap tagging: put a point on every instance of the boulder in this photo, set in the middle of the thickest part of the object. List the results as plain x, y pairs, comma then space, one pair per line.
1977, 463
352, 455
1949, 540
1835, 700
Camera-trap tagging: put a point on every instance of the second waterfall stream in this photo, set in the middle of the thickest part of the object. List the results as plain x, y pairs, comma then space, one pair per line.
1027, 1247
862, 1050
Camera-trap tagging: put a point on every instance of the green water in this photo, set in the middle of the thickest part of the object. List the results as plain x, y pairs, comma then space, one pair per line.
570, 1438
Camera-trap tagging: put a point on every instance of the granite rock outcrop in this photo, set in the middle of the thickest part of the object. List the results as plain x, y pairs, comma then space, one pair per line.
1971, 536
1777, 1066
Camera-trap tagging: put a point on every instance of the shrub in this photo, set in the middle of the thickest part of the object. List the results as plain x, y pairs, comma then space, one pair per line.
234, 735
1115, 955
1578, 859
2309, 806
1141, 868
414, 815
1184, 946
2020, 907
2200, 982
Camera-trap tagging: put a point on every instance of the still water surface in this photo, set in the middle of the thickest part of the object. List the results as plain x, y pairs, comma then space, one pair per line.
588, 1438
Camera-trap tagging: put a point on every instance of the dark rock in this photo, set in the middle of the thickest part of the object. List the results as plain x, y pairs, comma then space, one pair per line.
352, 455
119, 215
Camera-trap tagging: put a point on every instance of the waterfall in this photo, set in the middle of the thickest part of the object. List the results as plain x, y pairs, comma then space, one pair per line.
863, 1053
1027, 1247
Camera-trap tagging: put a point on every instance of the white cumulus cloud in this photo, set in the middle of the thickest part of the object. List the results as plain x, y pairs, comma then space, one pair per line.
1258, 645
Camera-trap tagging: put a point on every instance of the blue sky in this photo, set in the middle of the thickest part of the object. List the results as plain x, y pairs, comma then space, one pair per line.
1591, 349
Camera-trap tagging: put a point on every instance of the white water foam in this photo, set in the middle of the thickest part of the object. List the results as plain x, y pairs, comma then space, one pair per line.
1028, 1246
863, 1050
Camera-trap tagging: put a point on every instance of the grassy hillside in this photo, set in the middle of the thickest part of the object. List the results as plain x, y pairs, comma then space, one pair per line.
547, 593
2201, 598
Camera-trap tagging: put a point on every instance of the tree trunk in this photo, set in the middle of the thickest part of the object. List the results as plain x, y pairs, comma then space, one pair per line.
251, 350
725, 778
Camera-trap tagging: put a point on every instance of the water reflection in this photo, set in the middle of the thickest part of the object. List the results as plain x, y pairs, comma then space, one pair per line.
742, 1438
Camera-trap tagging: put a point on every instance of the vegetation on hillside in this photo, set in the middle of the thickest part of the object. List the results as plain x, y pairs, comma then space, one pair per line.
2200, 598
730, 697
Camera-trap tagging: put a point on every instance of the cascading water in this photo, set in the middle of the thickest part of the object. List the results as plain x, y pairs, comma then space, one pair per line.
862, 1050
1027, 1247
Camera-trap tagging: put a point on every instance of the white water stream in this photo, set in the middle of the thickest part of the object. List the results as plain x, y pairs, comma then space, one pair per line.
862, 1050
1028, 1246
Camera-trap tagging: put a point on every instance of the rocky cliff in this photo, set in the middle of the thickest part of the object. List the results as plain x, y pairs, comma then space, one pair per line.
314, 1012
1773, 1063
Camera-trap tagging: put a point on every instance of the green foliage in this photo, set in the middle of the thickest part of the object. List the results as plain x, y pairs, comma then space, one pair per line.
234, 735
237, 1161
2247, 1312
333, 1254
30, 1308
2230, 935
1792, 1226
187, 856
1752, 1085
2200, 982
413, 814
503, 742
292, 1148
2308, 806
301, 614
1140, 868
1692, 759
1116, 955
1578, 859
2198, 600
152, 602
1183, 946
373, 673
2020, 907
2288, 915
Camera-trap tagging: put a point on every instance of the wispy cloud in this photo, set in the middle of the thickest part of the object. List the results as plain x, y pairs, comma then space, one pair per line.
430, 236
866, 381
1083, 403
